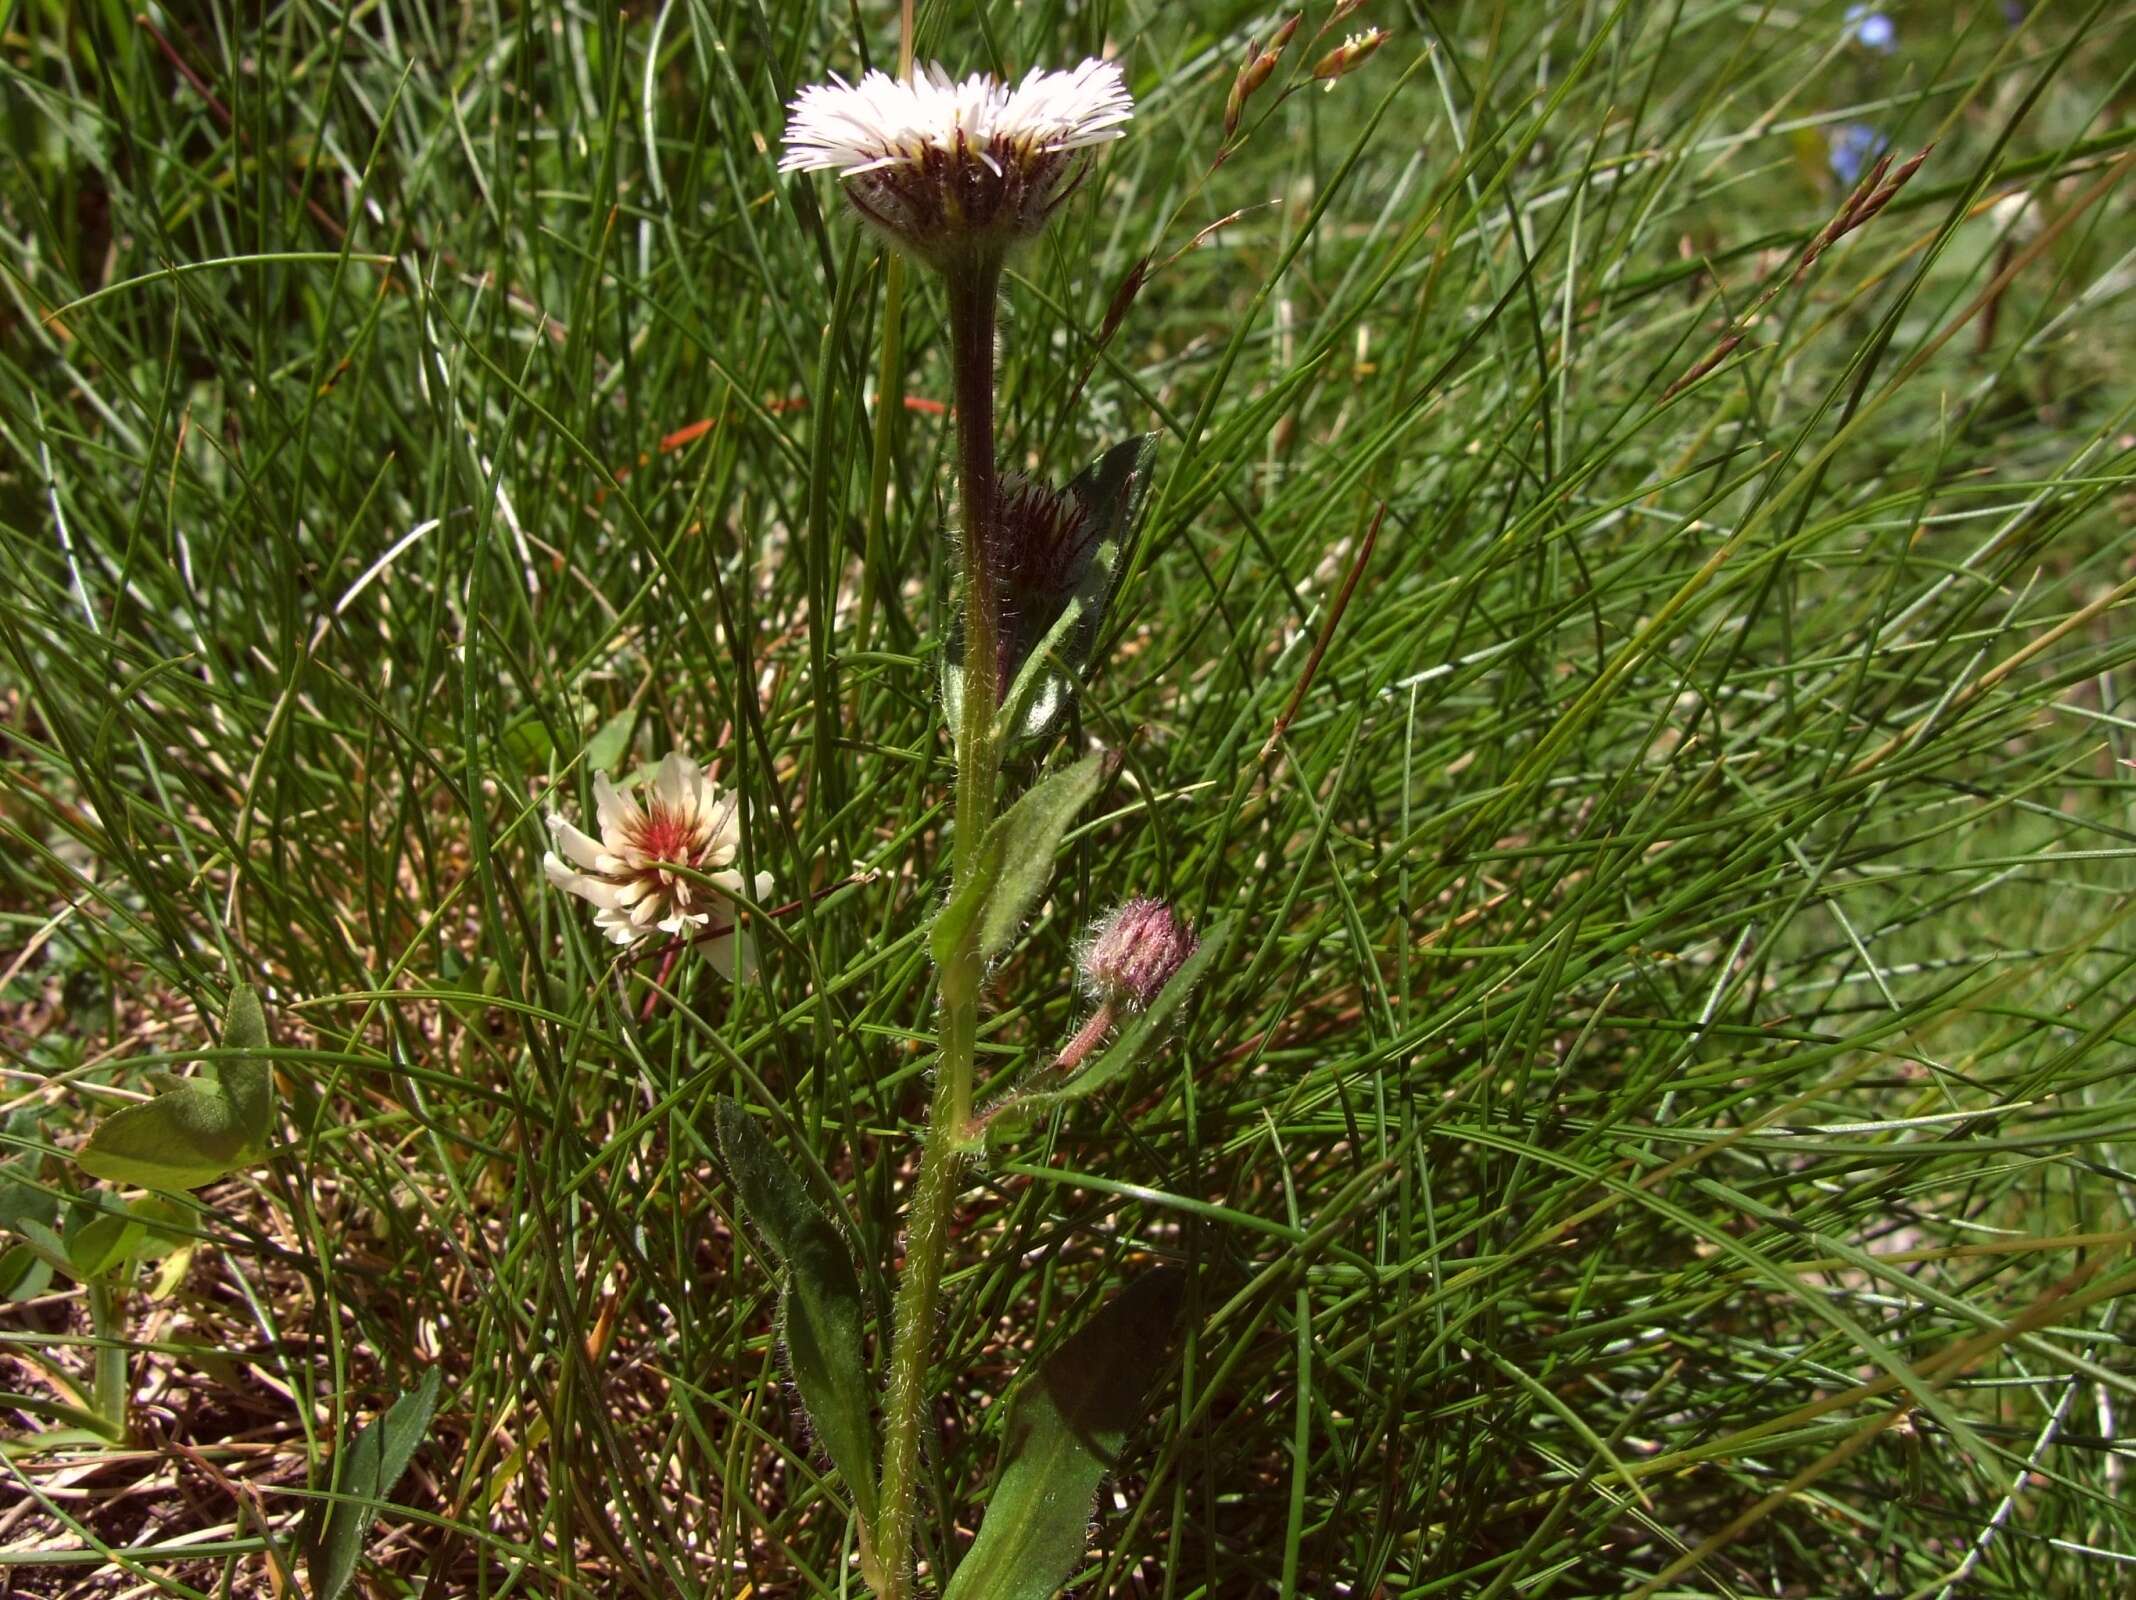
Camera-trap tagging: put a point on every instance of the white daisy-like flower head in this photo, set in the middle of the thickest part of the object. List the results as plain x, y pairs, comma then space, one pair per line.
629, 872
946, 167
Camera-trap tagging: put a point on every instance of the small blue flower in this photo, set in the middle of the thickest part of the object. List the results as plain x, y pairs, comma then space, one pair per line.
1872, 30
1851, 147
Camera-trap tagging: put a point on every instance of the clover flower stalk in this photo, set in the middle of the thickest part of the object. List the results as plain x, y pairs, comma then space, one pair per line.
954, 174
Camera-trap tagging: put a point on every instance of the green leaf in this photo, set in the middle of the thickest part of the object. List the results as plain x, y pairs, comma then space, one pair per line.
819, 1299
44, 1242
179, 1140
962, 909
22, 1198
196, 1133
24, 1274
528, 740
100, 1241
368, 1469
611, 743
1030, 834
1067, 1427
249, 1082
170, 1223
1026, 702
1113, 491
1016, 862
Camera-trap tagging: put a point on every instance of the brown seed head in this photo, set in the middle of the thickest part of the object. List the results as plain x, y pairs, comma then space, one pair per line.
1348, 56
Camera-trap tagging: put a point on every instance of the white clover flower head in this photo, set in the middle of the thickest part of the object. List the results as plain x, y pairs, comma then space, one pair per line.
948, 168
628, 873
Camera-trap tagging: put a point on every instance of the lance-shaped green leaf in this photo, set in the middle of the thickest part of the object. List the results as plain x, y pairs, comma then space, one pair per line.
1016, 862
1067, 1427
368, 1470
819, 1299
202, 1129
1056, 560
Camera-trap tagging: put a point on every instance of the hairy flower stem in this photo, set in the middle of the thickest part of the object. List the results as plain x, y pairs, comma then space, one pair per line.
972, 289
1087, 1038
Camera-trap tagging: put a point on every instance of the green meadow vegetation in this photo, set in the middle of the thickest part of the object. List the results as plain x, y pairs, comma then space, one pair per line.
1623, 649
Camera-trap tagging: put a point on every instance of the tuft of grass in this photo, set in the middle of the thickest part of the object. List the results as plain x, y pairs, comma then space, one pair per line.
1661, 1125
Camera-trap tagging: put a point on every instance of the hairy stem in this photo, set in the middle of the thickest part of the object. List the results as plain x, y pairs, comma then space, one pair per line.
972, 290
1087, 1038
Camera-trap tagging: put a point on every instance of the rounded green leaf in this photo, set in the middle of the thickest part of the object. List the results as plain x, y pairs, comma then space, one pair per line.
178, 1140
202, 1129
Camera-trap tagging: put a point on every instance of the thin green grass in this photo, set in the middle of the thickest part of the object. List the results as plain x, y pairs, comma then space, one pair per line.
1662, 1125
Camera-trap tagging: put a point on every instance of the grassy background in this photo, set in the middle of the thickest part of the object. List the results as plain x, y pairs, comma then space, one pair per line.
1669, 1090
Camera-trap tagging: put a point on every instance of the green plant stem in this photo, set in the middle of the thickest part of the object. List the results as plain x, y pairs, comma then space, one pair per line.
972, 291
905, 1405
112, 1386
889, 396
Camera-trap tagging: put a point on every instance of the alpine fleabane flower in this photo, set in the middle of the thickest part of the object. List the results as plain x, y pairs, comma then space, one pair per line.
946, 167
629, 872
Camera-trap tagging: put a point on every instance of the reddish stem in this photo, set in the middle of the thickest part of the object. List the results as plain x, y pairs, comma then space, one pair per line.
1087, 1038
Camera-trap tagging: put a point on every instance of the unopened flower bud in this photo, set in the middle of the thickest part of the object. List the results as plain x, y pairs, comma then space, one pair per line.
1042, 538
1134, 952
1348, 56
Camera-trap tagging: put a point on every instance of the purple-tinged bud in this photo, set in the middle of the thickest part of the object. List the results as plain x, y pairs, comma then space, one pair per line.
1042, 540
1134, 952
1252, 74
